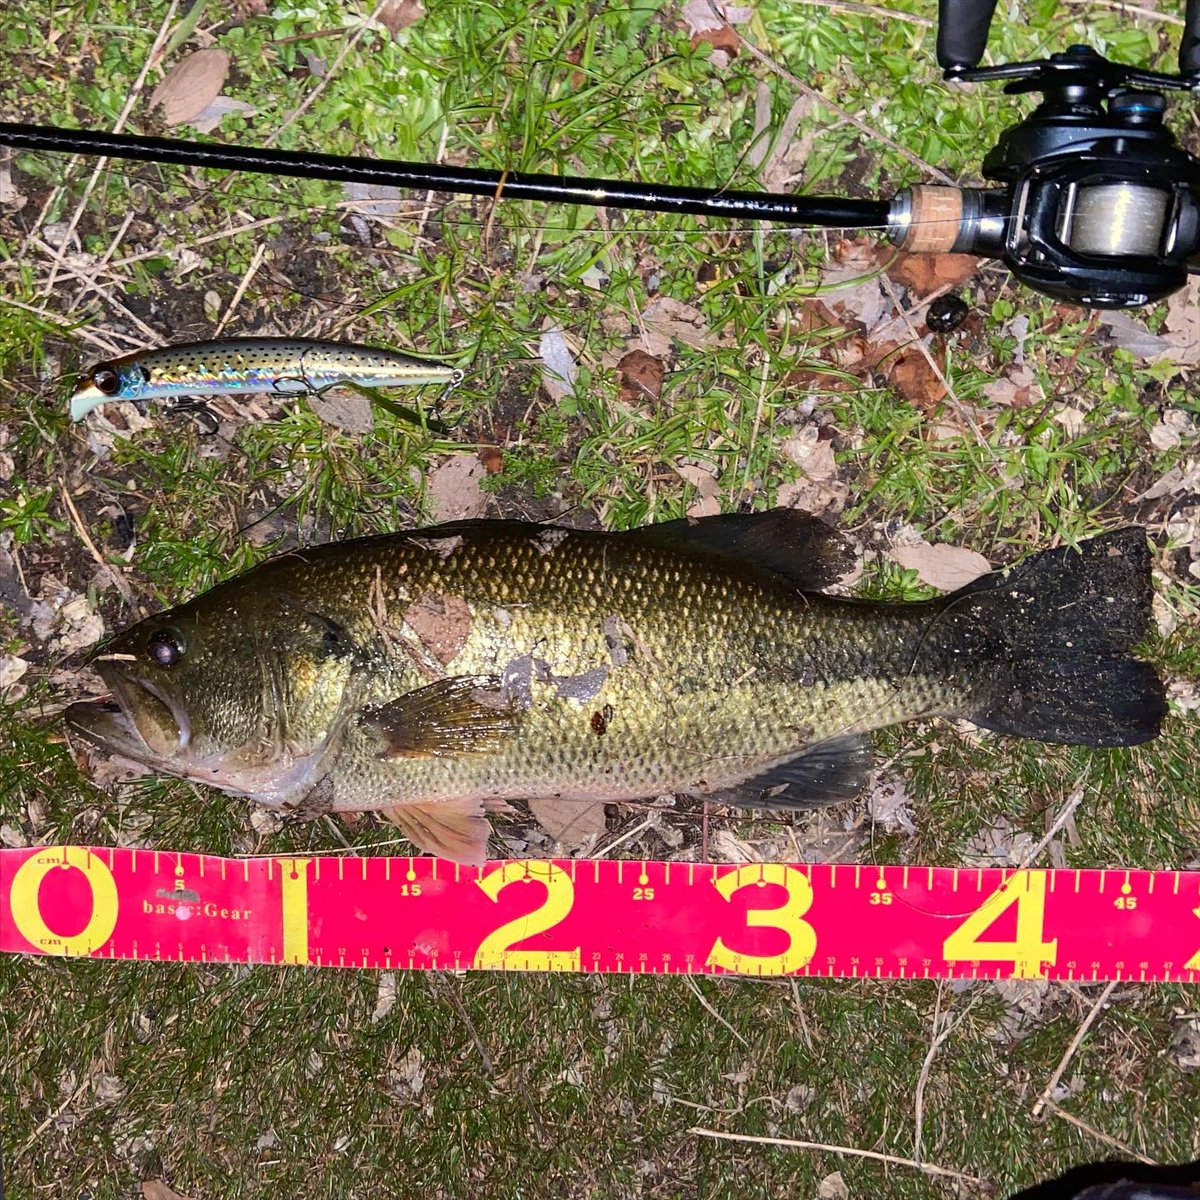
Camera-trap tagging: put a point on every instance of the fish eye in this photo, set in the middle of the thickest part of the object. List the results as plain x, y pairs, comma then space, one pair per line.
107, 380
165, 647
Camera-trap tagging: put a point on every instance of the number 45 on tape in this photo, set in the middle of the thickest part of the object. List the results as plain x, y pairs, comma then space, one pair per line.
766, 919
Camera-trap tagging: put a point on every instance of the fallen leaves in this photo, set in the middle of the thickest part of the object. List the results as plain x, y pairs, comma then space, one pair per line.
640, 376
560, 369
944, 567
708, 503
666, 319
820, 491
572, 823
713, 23
924, 274
191, 85
1179, 341
158, 1189
395, 15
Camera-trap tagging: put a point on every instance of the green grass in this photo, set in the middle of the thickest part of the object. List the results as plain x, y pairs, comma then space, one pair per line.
239, 1082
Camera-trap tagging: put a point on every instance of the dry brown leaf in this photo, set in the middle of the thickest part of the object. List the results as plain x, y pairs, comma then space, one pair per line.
911, 374
492, 458
705, 482
854, 278
672, 319
816, 497
191, 85
158, 1189
923, 274
395, 15
561, 369
442, 623
944, 567
1182, 330
712, 22
454, 489
812, 455
571, 823
641, 377
1017, 387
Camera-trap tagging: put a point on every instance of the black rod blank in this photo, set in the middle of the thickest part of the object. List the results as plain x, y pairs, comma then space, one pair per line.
511, 185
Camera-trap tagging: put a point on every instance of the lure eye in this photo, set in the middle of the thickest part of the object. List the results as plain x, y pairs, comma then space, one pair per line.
107, 380
165, 647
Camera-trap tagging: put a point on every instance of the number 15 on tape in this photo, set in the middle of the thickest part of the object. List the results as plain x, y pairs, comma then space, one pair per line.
766, 919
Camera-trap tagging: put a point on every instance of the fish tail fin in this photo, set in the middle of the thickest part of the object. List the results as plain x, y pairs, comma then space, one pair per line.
1057, 634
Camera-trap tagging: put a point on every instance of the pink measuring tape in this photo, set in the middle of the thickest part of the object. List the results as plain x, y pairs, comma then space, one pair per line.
760, 919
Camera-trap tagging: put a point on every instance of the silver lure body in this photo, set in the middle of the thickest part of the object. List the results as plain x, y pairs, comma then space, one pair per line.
240, 366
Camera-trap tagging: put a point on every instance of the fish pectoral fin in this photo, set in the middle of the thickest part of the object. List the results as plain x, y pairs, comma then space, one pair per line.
795, 545
465, 714
453, 829
824, 774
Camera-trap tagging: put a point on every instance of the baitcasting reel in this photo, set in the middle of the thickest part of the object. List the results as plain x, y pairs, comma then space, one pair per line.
1100, 205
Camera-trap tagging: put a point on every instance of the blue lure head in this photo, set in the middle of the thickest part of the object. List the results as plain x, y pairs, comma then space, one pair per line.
114, 380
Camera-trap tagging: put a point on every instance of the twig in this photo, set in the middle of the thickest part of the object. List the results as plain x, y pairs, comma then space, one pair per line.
872, 10
90, 285
1073, 802
122, 585
1080, 1034
251, 271
131, 100
625, 837
1100, 1135
857, 122
874, 1155
712, 1011
465, 1017
71, 326
1122, 7
951, 395
347, 46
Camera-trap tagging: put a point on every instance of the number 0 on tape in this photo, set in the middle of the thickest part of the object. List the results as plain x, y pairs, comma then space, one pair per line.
765, 919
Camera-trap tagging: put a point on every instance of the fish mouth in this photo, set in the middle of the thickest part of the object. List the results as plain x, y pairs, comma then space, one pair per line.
141, 721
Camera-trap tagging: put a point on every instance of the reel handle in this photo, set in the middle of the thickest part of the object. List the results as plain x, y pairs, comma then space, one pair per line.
1189, 45
963, 31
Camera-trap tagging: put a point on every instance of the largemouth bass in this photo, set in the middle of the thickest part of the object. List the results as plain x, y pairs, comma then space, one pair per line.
438, 674
239, 366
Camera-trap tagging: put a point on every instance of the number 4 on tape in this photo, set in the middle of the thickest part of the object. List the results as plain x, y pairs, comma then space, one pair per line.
765, 919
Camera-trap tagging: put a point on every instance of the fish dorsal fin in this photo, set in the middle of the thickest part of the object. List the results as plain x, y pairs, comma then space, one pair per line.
824, 774
784, 541
465, 714
453, 829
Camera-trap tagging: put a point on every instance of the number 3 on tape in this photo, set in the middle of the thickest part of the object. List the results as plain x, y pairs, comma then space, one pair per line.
1029, 954
785, 917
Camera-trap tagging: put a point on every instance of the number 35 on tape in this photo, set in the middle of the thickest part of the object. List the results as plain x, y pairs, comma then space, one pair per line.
766, 919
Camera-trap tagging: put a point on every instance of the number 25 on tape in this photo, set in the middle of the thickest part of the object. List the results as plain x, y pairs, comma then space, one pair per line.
1026, 890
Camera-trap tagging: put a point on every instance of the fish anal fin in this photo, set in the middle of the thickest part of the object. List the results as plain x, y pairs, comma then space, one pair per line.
453, 829
465, 714
784, 541
826, 773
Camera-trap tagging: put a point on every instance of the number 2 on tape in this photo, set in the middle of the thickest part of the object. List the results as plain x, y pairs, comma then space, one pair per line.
495, 951
1027, 951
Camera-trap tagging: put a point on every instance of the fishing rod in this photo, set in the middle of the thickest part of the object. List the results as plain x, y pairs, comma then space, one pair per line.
1095, 201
